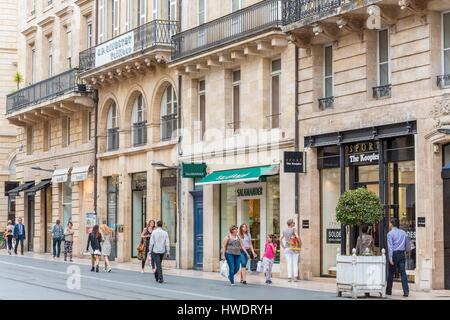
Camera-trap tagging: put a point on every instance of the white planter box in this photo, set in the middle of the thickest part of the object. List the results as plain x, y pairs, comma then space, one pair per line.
361, 274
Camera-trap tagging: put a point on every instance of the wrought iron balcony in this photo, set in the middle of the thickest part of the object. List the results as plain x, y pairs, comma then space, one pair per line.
382, 91
443, 81
113, 139
44, 90
296, 10
139, 133
326, 103
252, 20
153, 34
168, 126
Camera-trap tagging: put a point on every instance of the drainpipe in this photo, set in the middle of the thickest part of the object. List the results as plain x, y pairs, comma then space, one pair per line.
95, 152
297, 142
179, 194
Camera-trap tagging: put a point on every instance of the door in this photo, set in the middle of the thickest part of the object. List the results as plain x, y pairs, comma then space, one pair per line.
30, 222
111, 221
198, 231
139, 218
47, 192
446, 177
251, 214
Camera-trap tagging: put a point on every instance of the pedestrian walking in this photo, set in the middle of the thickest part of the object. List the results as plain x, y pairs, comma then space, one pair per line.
291, 248
145, 238
365, 244
68, 241
245, 236
398, 245
158, 247
94, 247
9, 233
270, 250
57, 236
107, 234
19, 235
231, 252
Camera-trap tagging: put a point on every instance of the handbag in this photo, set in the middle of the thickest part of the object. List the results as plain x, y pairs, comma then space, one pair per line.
253, 265
224, 269
260, 266
295, 243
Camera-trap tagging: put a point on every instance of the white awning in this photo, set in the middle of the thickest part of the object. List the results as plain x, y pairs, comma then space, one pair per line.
60, 175
80, 173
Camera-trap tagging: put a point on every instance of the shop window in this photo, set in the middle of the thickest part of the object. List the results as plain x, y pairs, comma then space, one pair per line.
169, 206
275, 74
139, 207
228, 209
273, 211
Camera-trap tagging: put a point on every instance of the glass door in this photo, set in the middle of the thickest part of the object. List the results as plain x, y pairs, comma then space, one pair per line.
251, 214
139, 215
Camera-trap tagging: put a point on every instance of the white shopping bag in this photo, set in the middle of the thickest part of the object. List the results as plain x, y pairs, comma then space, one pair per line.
260, 267
224, 269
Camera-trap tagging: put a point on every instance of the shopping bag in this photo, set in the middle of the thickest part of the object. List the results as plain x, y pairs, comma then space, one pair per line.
253, 265
224, 269
260, 267
149, 259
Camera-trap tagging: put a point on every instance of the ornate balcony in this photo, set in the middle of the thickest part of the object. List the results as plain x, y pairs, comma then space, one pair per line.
326, 103
128, 53
63, 93
381, 92
247, 22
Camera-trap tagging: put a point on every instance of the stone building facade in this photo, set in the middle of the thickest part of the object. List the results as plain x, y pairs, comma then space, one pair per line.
8, 66
55, 117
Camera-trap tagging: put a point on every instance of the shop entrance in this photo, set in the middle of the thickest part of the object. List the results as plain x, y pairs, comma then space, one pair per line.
111, 217
139, 204
47, 202
198, 229
252, 211
30, 223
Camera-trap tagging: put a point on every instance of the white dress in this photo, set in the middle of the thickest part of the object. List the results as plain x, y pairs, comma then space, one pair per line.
106, 245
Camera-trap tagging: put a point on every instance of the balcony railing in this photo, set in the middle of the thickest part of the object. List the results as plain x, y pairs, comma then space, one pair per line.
238, 25
139, 133
44, 90
326, 103
382, 91
168, 126
296, 10
152, 34
443, 80
113, 139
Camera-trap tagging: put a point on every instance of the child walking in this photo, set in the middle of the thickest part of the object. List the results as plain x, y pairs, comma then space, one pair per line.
270, 249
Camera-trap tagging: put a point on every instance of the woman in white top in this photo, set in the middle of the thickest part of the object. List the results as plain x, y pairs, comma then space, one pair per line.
244, 235
9, 232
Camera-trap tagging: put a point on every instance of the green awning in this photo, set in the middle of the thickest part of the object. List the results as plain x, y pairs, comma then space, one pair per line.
239, 175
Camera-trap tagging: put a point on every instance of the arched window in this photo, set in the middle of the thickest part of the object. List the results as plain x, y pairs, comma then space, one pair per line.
139, 124
169, 107
113, 128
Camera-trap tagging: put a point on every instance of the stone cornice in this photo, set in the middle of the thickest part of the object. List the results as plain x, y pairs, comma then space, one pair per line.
47, 21
29, 31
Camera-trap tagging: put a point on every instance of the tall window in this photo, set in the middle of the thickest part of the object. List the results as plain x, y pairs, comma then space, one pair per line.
236, 21
139, 132
115, 14
446, 45
29, 140
69, 48
89, 34
33, 65
201, 20
172, 10
141, 12
328, 71
155, 9
128, 16
112, 128
275, 74
47, 136
169, 107
383, 58
66, 128
50, 56
202, 107
236, 99
88, 126
102, 20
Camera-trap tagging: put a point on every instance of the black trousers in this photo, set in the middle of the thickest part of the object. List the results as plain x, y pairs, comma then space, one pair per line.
158, 258
10, 246
19, 240
399, 260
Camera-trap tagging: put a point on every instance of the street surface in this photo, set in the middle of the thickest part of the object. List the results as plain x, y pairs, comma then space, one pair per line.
28, 278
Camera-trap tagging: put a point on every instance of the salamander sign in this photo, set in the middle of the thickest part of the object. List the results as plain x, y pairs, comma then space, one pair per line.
114, 49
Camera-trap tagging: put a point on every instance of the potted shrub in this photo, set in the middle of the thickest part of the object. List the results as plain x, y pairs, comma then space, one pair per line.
363, 274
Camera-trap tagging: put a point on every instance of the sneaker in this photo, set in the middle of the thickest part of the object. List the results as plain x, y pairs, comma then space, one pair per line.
267, 281
232, 284
96, 269
108, 270
270, 281
160, 281
244, 282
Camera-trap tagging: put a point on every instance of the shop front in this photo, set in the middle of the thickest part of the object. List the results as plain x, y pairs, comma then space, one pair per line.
138, 208
380, 159
251, 196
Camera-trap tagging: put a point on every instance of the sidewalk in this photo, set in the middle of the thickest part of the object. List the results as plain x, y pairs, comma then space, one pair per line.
316, 284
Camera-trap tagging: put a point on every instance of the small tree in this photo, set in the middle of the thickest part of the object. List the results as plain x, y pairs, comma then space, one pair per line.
18, 79
359, 207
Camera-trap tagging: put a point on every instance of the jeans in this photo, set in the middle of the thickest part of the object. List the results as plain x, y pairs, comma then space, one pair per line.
292, 262
56, 246
399, 260
233, 264
244, 258
17, 245
158, 258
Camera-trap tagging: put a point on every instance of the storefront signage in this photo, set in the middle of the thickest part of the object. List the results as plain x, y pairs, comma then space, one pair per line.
421, 222
293, 161
194, 170
305, 224
249, 192
364, 158
362, 153
114, 49
333, 236
91, 221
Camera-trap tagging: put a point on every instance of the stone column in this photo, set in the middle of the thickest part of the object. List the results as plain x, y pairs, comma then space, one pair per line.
211, 227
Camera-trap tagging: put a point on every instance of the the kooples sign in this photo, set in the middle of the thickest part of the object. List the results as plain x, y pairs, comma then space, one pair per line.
362, 153
114, 49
